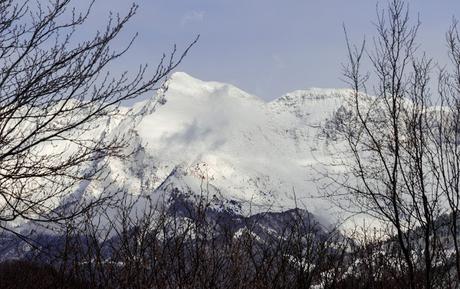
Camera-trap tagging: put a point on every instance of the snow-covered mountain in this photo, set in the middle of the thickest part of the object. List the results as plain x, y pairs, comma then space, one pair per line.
213, 138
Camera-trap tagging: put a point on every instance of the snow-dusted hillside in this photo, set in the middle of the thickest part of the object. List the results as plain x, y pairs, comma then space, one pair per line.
198, 136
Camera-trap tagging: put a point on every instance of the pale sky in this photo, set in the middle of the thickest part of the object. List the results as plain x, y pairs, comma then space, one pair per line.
266, 47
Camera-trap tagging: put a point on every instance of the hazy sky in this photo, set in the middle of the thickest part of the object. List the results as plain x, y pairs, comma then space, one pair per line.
266, 47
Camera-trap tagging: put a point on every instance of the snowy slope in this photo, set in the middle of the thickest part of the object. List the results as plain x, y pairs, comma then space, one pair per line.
198, 135
213, 140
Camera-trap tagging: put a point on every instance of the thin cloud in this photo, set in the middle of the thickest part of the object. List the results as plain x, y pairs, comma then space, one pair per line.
193, 16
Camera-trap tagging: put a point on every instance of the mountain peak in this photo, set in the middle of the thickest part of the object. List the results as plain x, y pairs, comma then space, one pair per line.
184, 78
181, 84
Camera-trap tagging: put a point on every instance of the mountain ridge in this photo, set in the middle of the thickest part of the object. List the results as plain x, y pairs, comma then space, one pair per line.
196, 135
254, 151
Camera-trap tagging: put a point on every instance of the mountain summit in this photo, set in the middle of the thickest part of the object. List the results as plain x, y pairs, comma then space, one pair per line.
210, 139
261, 155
